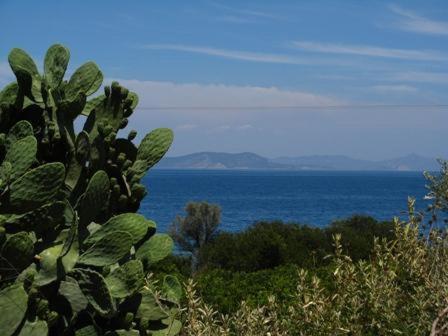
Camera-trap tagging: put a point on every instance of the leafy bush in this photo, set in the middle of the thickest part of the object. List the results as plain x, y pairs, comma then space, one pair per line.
74, 255
399, 291
225, 290
267, 245
357, 235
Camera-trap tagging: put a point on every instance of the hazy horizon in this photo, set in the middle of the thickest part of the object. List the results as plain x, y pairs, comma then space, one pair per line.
298, 155
368, 80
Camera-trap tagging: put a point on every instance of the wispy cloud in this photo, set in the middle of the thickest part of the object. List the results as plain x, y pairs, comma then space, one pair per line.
194, 96
238, 15
235, 19
234, 128
394, 88
274, 58
413, 22
231, 54
258, 14
420, 76
244, 127
371, 51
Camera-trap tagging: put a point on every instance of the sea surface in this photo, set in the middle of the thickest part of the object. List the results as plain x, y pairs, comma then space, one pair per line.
309, 197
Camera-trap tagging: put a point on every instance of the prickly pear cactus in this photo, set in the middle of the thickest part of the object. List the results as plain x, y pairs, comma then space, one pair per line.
74, 255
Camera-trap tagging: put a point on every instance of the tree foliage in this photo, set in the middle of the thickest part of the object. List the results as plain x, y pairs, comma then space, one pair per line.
197, 228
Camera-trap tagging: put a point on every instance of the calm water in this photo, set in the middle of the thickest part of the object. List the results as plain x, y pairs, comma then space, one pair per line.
315, 198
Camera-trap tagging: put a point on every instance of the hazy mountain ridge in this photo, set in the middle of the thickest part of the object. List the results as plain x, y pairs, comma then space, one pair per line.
214, 160
247, 160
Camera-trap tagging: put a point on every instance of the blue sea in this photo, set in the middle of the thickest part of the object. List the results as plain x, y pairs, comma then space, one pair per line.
309, 197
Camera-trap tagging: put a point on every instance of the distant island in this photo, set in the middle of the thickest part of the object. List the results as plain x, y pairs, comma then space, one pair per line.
247, 160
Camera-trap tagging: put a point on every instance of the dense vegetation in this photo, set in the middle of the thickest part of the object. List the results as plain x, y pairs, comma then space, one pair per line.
263, 260
266, 245
399, 290
75, 257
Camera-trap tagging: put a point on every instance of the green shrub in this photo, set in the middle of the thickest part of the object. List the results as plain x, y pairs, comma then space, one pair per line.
225, 290
400, 290
267, 245
178, 265
74, 254
357, 235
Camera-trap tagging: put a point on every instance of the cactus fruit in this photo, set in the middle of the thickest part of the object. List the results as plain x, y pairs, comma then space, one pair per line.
74, 255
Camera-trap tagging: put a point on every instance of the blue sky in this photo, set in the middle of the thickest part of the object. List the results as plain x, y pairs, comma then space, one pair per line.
272, 77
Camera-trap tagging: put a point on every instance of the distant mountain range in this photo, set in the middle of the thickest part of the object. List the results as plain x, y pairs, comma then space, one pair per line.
215, 160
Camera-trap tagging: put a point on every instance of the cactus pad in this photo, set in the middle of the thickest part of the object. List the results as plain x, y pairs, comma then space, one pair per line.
172, 289
108, 250
94, 287
149, 309
46, 217
37, 187
19, 131
55, 64
86, 79
72, 292
21, 155
26, 72
97, 193
18, 251
10, 97
126, 279
155, 249
134, 224
154, 146
13, 306
48, 261
36, 328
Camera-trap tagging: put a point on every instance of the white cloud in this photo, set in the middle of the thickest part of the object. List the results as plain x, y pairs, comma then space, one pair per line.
219, 96
394, 88
231, 54
424, 77
411, 21
372, 51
